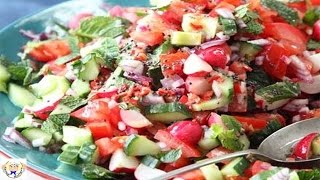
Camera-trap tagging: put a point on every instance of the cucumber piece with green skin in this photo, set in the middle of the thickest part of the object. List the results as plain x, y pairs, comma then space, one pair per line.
37, 137
167, 113
89, 153
4, 74
227, 93
211, 172
180, 38
91, 71
137, 145
272, 174
61, 109
20, 96
76, 136
229, 26
316, 146
236, 167
249, 51
245, 141
3, 87
294, 176
57, 136
91, 171
80, 87
156, 75
150, 161
208, 142
25, 123
70, 155
50, 85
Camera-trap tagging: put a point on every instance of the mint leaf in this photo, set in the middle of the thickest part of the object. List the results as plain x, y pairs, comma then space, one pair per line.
229, 140
91, 171
258, 78
289, 14
309, 174
154, 58
229, 26
311, 16
100, 26
55, 122
279, 91
170, 156
313, 45
250, 18
217, 129
254, 27
73, 102
231, 123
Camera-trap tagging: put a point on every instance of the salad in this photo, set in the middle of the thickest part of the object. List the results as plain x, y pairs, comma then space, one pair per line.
138, 92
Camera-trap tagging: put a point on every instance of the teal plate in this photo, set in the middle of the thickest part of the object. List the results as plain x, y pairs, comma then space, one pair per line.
10, 44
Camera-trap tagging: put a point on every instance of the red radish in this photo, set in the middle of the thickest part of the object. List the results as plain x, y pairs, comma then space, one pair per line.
134, 119
74, 23
107, 93
194, 64
316, 31
120, 162
302, 149
189, 132
47, 105
217, 56
215, 119
145, 172
197, 85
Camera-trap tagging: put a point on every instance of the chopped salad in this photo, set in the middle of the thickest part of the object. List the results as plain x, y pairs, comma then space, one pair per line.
139, 92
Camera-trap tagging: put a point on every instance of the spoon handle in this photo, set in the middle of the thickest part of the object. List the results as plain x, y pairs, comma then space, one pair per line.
205, 162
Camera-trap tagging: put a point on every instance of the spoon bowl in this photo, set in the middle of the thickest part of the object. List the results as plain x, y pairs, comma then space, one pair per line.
273, 149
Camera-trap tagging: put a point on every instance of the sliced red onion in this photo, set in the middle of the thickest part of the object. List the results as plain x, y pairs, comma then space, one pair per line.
296, 105
212, 43
132, 66
241, 23
8, 131
216, 89
260, 42
172, 82
137, 78
33, 36
152, 99
225, 12
8, 139
18, 138
301, 70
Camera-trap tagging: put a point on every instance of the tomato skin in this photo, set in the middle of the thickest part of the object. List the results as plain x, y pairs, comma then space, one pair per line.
292, 38
148, 37
115, 117
50, 50
274, 63
316, 31
100, 129
107, 146
259, 166
216, 56
255, 123
189, 132
171, 141
173, 63
96, 111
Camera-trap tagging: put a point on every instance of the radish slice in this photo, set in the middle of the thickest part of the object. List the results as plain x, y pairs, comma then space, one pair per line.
195, 64
144, 172
197, 85
311, 88
315, 59
120, 162
107, 93
134, 119
47, 104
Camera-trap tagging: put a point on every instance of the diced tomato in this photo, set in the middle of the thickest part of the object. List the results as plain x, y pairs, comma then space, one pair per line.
199, 2
50, 50
269, 116
239, 101
251, 123
42, 115
183, 99
315, 2
233, 2
94, 111
300, 6
219, 151
179, 8
192, 175
115, 117
293, 40
173, 63
100, 129
259, 166
181, 162
275, 61
106, 146
239, 68
216, 56
148, 37
172, 142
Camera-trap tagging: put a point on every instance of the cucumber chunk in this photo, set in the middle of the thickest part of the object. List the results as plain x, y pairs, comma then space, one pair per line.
89, 153
249, 51
150, 161
316, 146
20, 96
186, 38
37, 137
167, 113
236, 167
70, 155
76, 136
4, 74
26, 123
80, 87
50, 84
91, 71
139, 146
211, 172
208, 142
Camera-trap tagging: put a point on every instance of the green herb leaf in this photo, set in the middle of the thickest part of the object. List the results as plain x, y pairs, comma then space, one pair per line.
289, 14
258, 78
217, 129
229, 26
55, 122
73, 102
309, 174
91, 171
254, 27
230, 140
279, 91
100, 26
311, 16
154, 58
231, 123
170, 156
313, 45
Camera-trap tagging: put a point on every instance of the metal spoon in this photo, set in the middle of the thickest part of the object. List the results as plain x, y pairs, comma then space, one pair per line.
273, 149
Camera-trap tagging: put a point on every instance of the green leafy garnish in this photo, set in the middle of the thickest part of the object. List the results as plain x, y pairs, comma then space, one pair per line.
258, 78
154, 58
73, 102
279, 91
229, 26
254, 27
250, 18
100, 26
227, 138
231, 123
91, 171
289, 14
170, 156
313, 45
311, 16
313, 174
55, 122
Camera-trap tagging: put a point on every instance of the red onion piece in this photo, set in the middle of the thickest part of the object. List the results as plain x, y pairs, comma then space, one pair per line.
137, 78
300, 68
260, 42
33, 36
172, 82
241, 23
152, 99
225, 12
16, 137
132, 66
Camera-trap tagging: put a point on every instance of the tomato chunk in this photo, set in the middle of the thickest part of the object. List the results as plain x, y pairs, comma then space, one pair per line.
106, 146
148, 37
94, 111
275, 61
100, 129
50, 50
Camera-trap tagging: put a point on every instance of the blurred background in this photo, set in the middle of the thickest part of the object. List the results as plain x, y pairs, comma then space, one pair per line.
11, 10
